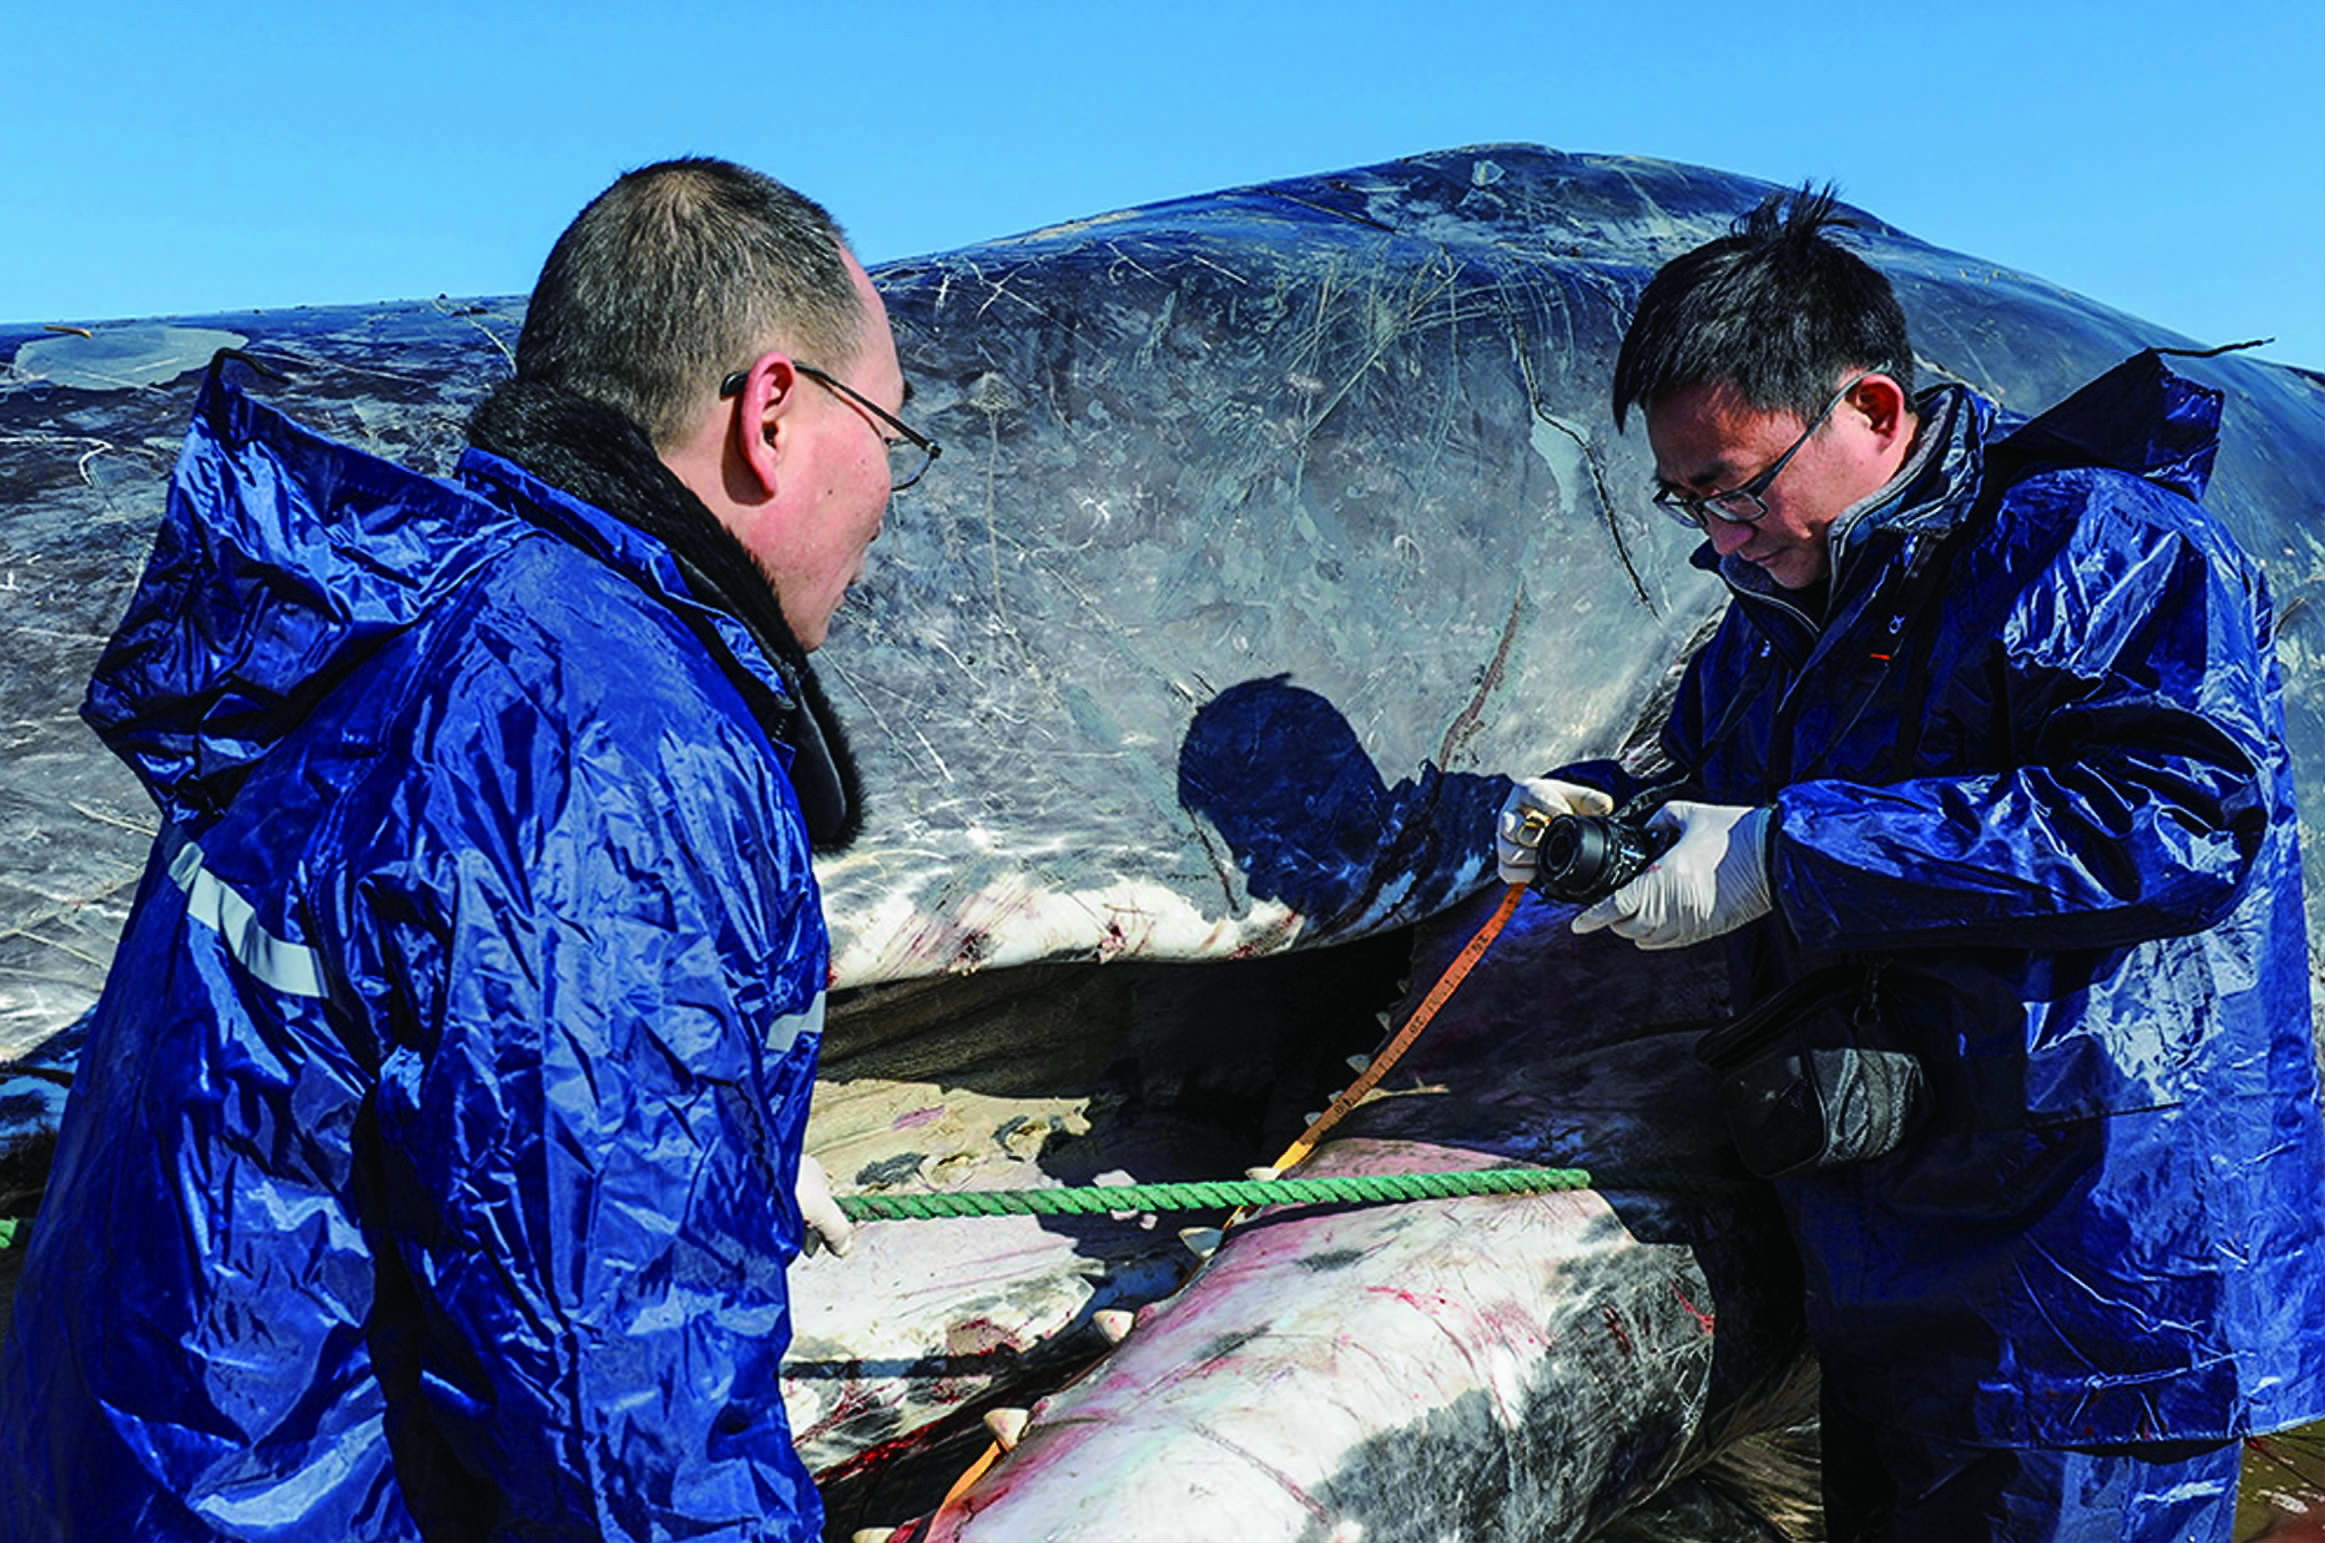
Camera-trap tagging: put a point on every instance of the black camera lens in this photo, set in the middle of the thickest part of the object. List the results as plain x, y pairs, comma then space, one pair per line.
1584, 858
1576, 849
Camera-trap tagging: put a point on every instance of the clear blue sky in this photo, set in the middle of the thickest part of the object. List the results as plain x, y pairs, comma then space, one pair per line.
2166, 159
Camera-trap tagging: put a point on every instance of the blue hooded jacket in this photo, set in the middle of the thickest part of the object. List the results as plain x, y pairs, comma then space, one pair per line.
2032, 755
430, 1165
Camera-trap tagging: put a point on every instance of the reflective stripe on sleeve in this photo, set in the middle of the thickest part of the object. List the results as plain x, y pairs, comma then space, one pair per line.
291, 968
785, 1031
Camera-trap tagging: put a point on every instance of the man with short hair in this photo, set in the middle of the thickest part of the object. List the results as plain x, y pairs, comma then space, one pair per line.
431, 1165
1994, 725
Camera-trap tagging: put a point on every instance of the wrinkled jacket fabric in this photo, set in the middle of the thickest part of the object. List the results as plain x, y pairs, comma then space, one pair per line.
2032, 754
430, 1164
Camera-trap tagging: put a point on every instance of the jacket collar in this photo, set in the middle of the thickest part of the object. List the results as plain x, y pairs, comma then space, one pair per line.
1929, 494
585, 471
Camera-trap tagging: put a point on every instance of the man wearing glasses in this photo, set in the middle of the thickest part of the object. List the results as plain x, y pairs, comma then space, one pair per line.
436, 1158
2001, 716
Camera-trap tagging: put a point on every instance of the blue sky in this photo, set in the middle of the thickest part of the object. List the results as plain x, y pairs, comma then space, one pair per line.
2165, 159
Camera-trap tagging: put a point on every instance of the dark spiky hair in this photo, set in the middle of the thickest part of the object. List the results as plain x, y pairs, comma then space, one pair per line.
1775, 309
678, 273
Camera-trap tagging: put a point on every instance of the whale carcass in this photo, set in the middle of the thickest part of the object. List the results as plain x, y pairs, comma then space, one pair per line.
1273, 525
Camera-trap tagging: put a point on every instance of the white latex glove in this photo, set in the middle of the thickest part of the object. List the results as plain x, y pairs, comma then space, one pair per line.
1713, 880
1530, 808
820, 1211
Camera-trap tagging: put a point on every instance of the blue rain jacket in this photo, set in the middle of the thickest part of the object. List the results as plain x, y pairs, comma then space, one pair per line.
2033, 755
430, 1165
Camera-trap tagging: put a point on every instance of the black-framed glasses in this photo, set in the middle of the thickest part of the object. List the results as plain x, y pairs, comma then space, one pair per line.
1744, 504
909, 458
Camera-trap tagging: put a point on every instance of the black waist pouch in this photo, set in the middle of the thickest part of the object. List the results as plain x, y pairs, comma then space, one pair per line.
1805, 1079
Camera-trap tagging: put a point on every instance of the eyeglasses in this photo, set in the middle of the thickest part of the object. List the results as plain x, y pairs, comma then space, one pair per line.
909, 458
1744, 504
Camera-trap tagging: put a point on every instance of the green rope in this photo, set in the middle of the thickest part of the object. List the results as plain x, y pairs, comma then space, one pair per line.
1219, 1195
1358, 1189
1206, 1195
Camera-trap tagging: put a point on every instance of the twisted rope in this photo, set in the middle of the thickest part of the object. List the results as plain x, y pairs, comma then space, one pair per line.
1219, 1194
1212, 1195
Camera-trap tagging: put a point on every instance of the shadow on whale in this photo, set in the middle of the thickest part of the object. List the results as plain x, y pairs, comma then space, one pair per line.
1273, 526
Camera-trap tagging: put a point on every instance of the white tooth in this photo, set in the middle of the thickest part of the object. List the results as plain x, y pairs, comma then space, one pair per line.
1007, 1425
1385, 1019
872, 1535
1311, 1117
1263, 1174
1360, 1063
1202, 1242
1114, 1322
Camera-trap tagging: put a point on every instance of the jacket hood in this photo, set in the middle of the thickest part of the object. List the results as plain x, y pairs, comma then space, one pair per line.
286, 559
283, 560
2140, 417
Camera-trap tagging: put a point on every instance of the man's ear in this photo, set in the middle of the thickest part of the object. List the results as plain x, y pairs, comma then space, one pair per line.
1883, 404
764, 423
